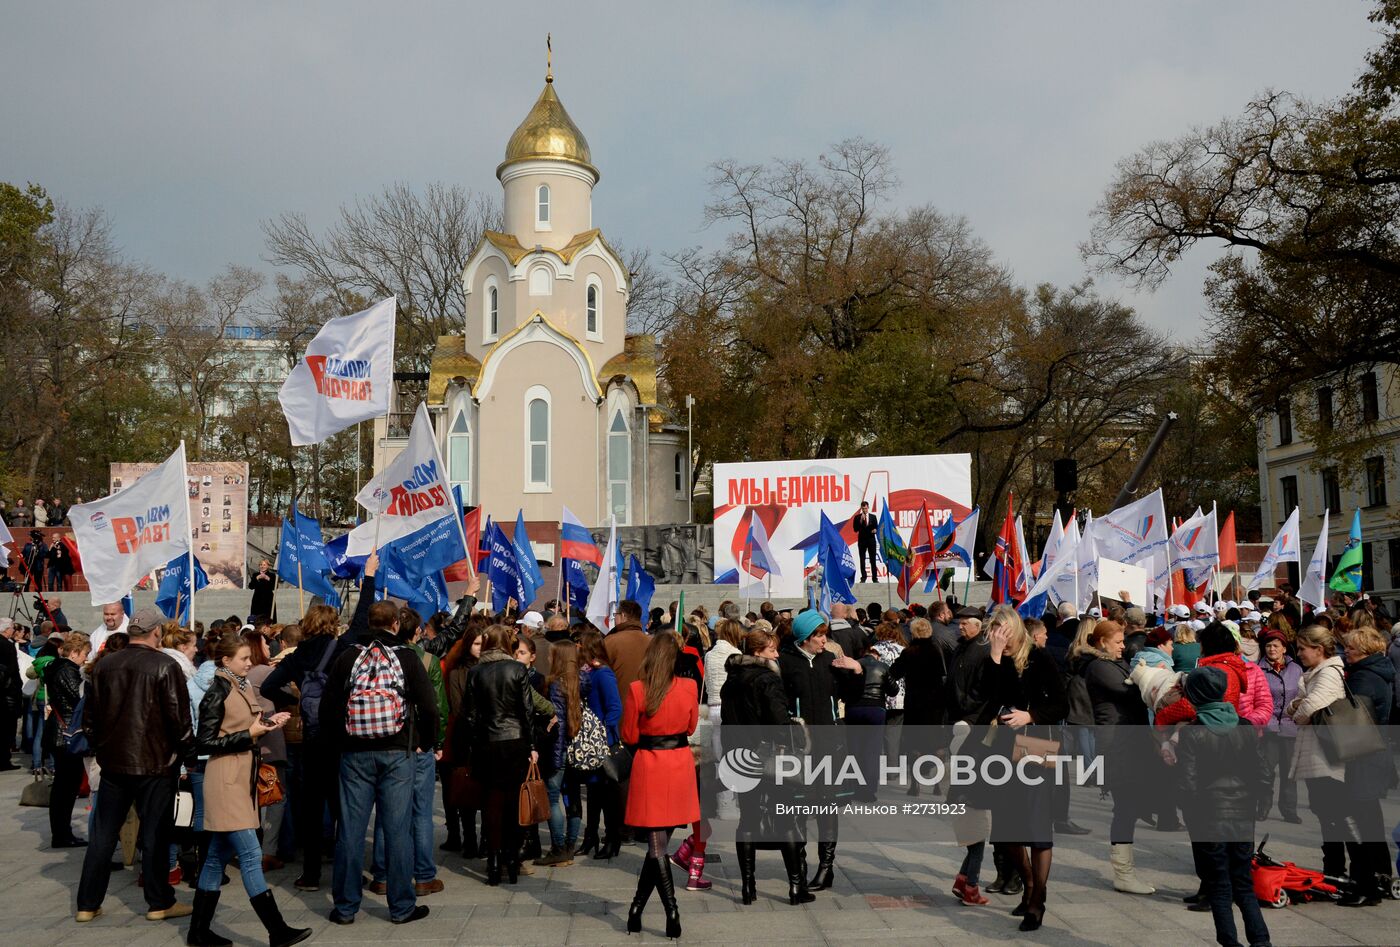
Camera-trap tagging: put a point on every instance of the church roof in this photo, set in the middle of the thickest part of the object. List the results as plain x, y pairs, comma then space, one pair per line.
549, 134
637, 362
450, 360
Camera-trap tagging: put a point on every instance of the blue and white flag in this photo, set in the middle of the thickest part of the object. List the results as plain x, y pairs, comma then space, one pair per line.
345, 376
576, 585
301, 543
965, 537
175, 587
504, 571
837, 565
602, 601
533, 580
640, 586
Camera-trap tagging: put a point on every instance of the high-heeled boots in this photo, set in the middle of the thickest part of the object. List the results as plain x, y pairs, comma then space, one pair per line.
279, 933
747, 856
826, 861
646, 881
666, 888
798, 892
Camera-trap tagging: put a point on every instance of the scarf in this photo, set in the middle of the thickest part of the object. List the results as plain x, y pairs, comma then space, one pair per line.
238, 679
1218, 716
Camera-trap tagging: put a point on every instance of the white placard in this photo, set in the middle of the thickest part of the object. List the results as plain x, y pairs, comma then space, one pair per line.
1116, 578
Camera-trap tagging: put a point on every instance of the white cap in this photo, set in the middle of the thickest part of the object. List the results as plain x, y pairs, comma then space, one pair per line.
1197, 625
531, 620
1179, 611
1222, 607
1095, 613
1202, 608
1254, 617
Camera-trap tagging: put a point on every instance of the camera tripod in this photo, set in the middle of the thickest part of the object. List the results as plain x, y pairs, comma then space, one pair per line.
19, 608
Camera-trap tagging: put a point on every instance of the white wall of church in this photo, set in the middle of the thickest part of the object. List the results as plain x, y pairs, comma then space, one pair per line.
567, 211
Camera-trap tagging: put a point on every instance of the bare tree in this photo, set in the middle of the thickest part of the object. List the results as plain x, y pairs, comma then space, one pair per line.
402, 243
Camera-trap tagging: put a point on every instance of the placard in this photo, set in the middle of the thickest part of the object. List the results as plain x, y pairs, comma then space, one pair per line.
1116, 578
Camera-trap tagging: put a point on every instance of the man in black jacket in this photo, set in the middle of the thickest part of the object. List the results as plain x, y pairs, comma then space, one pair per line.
137, 719
378, 770
11, 692
865, 524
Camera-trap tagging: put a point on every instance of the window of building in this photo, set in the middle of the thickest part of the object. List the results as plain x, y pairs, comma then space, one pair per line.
680, 475
492, 317
1393, 548
619, 465
1370, 398
593, 322
1289, 486
1285, 422
1331, 491
459, 454
1375, 481
542, 206
537, 439
541, 281
1324, 408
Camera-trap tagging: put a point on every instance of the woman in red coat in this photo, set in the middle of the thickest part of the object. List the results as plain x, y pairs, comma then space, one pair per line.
659, 713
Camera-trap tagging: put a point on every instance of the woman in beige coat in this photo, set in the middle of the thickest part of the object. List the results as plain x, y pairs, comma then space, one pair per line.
230, 724
1320, 685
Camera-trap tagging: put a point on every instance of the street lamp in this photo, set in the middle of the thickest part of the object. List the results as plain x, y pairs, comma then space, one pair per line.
690, 459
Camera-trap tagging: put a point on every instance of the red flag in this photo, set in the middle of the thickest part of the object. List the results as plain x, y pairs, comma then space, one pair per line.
1229, 555
921, 554
1007, 574
471, 525
72, 548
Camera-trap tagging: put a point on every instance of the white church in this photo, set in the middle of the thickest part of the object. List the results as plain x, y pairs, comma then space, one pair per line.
543, 400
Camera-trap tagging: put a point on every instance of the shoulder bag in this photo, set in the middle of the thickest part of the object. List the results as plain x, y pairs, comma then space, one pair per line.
1345, 728
534, 798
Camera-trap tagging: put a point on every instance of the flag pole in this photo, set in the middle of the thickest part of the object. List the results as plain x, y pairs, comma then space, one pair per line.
190, 550
301, 591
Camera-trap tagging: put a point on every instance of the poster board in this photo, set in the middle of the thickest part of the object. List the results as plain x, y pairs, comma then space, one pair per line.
218, 493
789, 496
1116, 577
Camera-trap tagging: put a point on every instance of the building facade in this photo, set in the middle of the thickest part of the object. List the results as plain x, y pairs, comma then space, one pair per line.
1294, 472
543, 400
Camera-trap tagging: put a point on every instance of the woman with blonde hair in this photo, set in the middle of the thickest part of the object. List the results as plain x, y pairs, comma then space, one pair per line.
1026, 685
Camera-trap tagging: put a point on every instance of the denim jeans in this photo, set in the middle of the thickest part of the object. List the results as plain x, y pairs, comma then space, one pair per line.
222, 847
424, 784
1224, 868
36, 720
563, 828
370, 779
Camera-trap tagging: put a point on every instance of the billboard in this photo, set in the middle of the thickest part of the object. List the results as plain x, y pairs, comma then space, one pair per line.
788, 497
218, 495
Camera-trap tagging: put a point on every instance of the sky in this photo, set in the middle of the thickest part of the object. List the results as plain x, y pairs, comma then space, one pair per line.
192, 123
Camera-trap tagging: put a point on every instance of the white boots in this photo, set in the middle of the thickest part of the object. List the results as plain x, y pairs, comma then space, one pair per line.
1125, 879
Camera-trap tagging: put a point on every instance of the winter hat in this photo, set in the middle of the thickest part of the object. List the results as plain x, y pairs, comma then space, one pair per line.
806, 624
1158, 636
1234, 629
1272, 634
1205, 685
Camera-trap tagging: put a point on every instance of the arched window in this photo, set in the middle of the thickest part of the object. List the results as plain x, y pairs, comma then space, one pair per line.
541, 280
619, 465
593, 323
537, 440
459, 453
491, 318
542, 206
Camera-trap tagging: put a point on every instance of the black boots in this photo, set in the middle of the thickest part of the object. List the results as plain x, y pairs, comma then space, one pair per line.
998, 886
200, 918
747, 856
493, 868
793, 861
278, 933
589, 843
646, 881
826, 855
666, 888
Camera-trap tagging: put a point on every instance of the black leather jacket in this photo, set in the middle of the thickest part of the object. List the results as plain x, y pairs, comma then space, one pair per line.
497, 704
1221, 777
876, 683
63, 682
137, 715
211, 717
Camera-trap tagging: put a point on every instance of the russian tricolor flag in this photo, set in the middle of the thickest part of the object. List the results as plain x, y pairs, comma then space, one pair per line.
576, 542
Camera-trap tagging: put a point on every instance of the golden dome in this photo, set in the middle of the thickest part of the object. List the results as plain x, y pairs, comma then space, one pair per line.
548, 134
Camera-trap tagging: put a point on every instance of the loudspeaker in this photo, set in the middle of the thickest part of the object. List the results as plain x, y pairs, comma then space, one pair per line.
1066, 475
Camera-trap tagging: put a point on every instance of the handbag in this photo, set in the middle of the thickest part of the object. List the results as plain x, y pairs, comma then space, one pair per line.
1345, 728
617, 766
184, 807
37, 793
1025, 746
534, 798
269, 786
589, 747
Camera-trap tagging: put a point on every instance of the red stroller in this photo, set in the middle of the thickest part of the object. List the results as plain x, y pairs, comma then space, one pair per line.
1277, 884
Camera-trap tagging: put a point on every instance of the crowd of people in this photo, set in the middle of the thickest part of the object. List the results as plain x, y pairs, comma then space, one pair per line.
309, 740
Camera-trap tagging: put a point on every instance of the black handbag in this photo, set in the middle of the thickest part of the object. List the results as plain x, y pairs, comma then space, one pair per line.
1346, 729
617, 766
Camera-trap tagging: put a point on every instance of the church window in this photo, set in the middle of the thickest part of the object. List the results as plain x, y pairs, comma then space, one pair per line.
680, 475
619, 466
542, 205
537, 439
594, 323
492, 317
541, 281
459, 453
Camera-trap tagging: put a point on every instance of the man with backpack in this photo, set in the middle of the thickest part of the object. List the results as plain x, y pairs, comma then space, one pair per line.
380, 707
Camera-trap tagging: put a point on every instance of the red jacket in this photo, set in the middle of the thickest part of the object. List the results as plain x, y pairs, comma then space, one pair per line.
1256, 703
664, 793
1237, 679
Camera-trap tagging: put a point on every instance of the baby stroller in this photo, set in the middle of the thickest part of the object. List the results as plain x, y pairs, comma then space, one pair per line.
1278, 884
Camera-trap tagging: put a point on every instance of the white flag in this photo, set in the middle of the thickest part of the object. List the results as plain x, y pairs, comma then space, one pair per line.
6, 537
1052, 544
1195, 547
124, 536
345, 376
412, 492
1087, 558
1284, 548
1065, 581
1313, 589
602, 601
965, 537
1063, 566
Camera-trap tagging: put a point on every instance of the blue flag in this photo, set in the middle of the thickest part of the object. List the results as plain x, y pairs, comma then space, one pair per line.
301, 542
503, 571
576, 584
175, 585
425, 593
640, 586
837, 565
533, 580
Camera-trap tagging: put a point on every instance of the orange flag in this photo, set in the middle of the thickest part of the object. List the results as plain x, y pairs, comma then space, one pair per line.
1229, 556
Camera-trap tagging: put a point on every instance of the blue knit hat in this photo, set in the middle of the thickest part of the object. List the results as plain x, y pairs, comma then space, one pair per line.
806, 624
